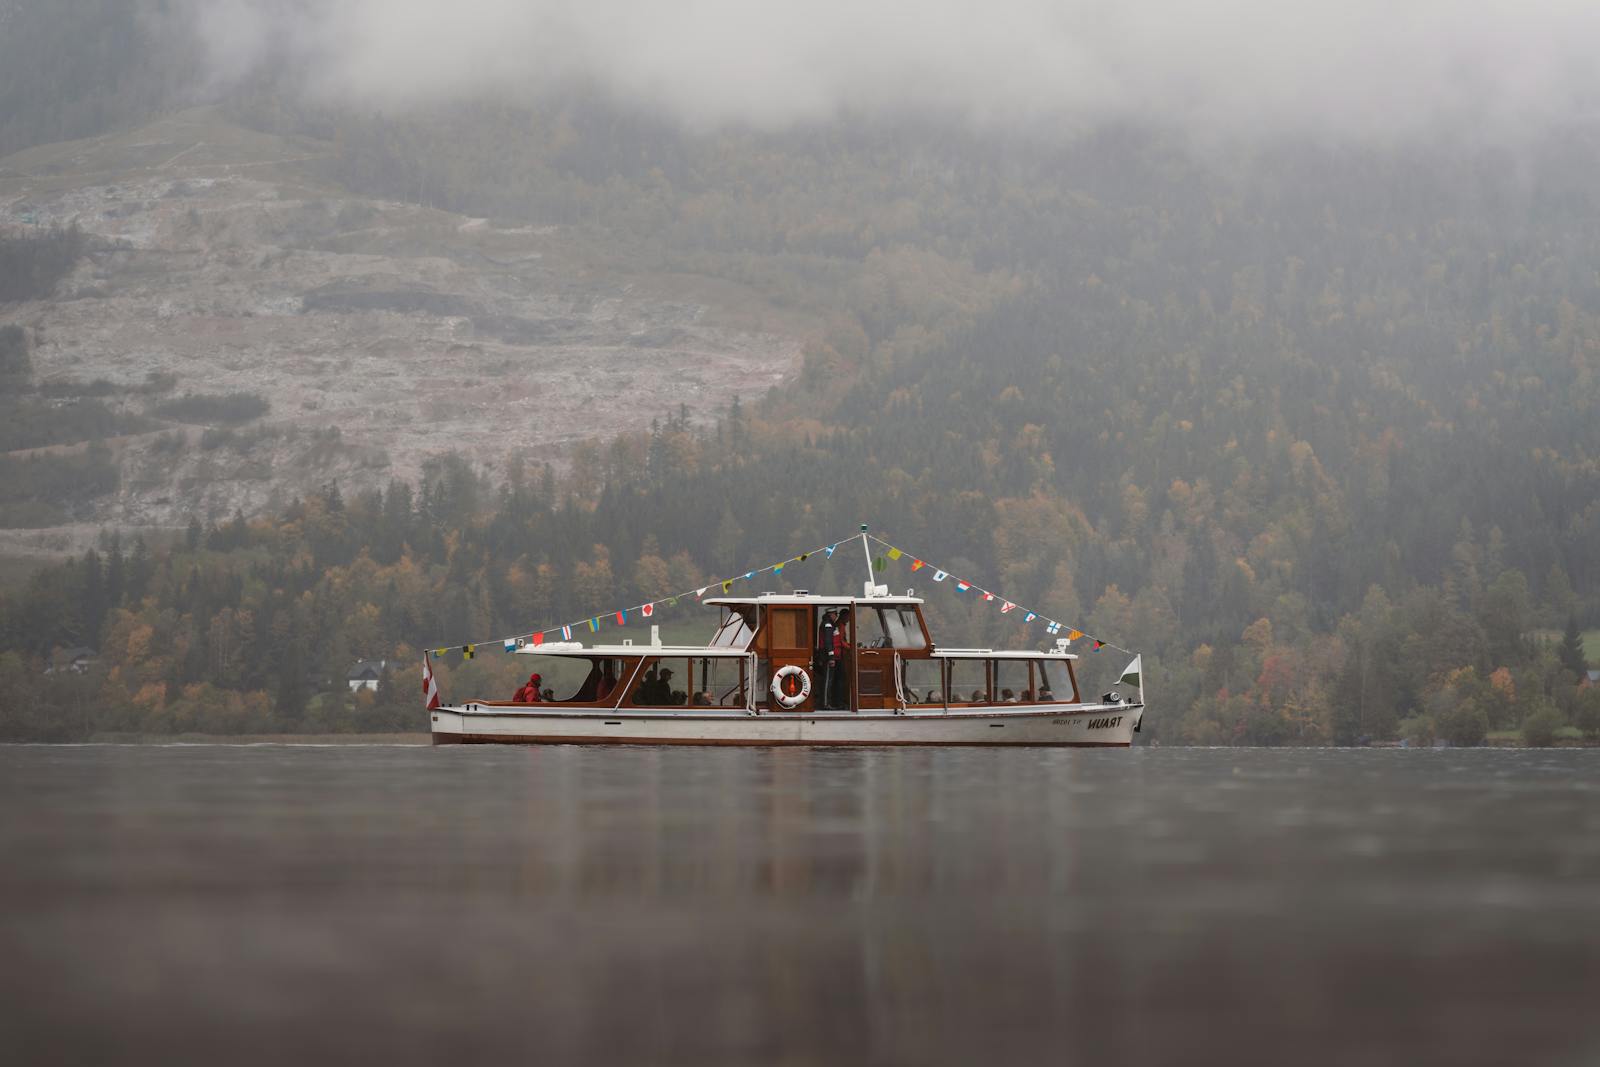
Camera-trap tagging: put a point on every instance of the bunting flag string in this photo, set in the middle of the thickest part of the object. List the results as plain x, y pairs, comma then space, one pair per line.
647, 610
1051, 626
880, 562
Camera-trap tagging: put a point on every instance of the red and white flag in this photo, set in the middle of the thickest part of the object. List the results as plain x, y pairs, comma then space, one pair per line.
430, 685
647, 610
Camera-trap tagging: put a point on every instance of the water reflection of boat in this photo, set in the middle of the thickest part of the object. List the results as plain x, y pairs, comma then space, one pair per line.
764, 680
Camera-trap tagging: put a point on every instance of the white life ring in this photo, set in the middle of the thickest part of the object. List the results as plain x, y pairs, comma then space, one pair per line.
779, 690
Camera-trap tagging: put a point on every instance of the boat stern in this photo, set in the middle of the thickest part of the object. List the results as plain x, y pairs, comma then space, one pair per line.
446, 726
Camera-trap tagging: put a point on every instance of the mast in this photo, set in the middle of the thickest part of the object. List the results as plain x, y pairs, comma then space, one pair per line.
866, 553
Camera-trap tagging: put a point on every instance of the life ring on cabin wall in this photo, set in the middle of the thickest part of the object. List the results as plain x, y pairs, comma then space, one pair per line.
790, 686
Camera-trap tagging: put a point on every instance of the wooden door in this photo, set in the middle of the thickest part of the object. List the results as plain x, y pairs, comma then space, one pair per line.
874, 667
789, 637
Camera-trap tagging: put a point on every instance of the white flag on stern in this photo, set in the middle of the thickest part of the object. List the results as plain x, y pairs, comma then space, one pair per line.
1134, 676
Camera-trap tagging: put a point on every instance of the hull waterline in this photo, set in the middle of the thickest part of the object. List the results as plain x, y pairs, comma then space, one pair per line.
1076, 726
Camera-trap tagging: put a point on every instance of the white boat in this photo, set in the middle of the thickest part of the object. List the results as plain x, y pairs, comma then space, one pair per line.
763, 680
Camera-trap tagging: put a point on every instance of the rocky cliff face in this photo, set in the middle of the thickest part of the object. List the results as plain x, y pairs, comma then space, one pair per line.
379, 333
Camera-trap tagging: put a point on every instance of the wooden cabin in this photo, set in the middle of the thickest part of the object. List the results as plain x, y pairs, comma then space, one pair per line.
764, 658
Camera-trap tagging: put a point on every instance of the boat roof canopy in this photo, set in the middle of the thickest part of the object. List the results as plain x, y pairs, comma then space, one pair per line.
812, 598
578, 650
1003, 653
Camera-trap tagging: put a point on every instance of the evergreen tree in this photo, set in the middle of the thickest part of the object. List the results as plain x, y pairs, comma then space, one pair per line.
1571, 651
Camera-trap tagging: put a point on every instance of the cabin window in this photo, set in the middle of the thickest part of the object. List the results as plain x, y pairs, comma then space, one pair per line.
719, 682
664, 683
736, 630
903, 628
868, 629
969, 681
788, 628
1012, 682
573, 680
923, 682
1054, 682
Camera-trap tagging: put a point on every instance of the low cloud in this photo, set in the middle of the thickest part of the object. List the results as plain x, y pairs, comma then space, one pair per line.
1347, 68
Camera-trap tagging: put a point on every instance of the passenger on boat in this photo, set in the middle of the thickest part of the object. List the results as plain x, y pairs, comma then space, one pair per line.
1027, 696
976, 697
1007, 697
608, 680
646, 693
529, 693
664, 691
702, 699
1045, 695
839, 695
823, 663
934, 697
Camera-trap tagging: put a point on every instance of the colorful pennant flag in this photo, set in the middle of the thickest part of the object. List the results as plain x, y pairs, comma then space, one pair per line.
1098, 645
647, 610
440, 651
777, 568
1053, 628
988, 595
879, 563
622, 617
566, 633
594, 624
1007, 606
511, 644
466, 651
829, 550
939, 575
895, 553
962, 587
536, 639
806, 555
727, 585
1073, 635
698, 593
1029, 617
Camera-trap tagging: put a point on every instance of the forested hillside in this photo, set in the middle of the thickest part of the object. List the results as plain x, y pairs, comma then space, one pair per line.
1312, 424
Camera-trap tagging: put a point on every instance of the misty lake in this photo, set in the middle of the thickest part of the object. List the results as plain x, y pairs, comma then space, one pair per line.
276, 904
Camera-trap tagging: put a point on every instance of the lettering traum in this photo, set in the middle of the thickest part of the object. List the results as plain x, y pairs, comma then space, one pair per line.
1105, 723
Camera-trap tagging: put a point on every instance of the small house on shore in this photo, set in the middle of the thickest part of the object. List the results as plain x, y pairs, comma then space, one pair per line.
365, 674
76, 660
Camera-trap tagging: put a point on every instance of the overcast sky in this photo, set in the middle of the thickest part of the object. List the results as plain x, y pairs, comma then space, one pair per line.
1343, 67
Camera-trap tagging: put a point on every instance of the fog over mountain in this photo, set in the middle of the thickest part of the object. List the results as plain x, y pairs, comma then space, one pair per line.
1363, 67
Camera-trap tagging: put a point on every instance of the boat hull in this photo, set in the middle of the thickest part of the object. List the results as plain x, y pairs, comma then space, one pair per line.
1077, 726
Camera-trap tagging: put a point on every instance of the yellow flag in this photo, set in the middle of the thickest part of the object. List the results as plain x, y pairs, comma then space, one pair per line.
895, 553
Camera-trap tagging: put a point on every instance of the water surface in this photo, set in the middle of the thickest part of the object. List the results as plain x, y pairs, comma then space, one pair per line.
395, 905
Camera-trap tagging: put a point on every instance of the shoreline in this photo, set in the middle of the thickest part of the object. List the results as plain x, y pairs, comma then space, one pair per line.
422, 739
418, 739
